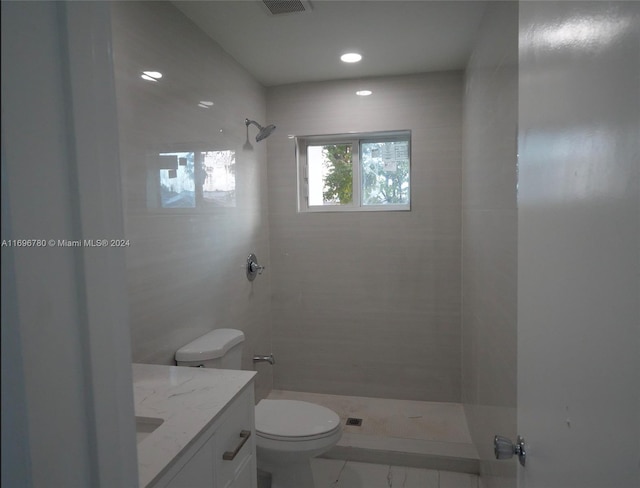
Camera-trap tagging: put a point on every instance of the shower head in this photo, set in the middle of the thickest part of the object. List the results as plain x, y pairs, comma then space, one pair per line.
263, 132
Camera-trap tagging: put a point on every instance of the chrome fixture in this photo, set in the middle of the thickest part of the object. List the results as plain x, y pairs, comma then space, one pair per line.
503, 448
253, 268
267, 359
279, 7
263, 132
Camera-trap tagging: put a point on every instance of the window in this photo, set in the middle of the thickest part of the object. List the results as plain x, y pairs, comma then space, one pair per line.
190, 179
354, 172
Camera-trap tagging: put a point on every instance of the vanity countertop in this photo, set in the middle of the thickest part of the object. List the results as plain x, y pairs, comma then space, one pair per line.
188, 400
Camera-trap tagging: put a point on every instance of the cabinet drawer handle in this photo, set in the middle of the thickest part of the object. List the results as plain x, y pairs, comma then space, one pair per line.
230, 455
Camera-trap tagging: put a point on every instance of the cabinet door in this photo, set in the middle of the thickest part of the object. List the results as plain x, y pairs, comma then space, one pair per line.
198, 471
246, 477
239, 418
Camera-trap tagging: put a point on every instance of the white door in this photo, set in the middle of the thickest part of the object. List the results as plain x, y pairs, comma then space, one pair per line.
579, 244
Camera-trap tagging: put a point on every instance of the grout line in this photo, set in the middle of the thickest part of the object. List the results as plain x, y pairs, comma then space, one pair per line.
335, 483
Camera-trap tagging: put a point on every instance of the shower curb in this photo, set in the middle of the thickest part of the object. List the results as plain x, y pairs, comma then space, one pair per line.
442, 456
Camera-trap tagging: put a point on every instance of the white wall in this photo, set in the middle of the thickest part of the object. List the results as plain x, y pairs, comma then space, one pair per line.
66, 314
489, 228
186, 267
16, 458
369, 303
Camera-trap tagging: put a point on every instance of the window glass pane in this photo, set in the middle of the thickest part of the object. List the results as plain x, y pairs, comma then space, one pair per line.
177, 187
330, 174
385, 172
219, 186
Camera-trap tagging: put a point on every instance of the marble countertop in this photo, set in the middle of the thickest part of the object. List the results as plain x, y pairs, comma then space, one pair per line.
188, 400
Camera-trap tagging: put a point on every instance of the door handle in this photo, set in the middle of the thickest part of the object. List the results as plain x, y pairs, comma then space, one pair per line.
505, 449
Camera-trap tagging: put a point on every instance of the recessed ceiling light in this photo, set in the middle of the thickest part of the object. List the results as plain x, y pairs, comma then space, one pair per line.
351, 57
202, 105
364, 93
151, 75
208, 103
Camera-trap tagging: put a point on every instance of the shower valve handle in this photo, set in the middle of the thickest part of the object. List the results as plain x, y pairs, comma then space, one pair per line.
253, 268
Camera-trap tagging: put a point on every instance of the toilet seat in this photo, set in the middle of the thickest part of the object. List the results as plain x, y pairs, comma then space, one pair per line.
294, 421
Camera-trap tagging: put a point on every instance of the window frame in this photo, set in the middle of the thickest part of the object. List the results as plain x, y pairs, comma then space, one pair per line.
355, 139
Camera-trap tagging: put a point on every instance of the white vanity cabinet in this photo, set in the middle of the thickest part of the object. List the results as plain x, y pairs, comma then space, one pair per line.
223, 456
197, 470
235, 446
195, 427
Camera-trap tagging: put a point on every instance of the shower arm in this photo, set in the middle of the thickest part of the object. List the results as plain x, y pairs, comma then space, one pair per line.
247, 122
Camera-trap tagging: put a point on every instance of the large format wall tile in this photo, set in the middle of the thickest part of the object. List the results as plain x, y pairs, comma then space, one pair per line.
489, 238
369, 303
186, 265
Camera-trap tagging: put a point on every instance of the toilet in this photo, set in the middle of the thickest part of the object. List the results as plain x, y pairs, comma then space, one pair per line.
288, 432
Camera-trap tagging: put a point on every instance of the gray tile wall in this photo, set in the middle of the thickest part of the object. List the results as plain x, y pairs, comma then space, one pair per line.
369, 303
186, 266
489, 214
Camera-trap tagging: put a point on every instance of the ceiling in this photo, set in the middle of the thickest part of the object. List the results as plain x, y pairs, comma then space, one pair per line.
394, 36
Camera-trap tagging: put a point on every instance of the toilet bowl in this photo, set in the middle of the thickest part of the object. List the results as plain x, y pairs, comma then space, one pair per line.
288, 432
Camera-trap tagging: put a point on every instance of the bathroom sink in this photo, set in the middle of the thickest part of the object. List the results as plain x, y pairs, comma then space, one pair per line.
146, 425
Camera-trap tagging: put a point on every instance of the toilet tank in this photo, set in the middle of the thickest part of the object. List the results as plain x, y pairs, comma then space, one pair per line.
220, 349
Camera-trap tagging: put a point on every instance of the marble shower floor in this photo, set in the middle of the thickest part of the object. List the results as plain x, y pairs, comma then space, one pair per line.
428, 435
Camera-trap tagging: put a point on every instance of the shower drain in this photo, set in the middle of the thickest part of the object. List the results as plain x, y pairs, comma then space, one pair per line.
354, 421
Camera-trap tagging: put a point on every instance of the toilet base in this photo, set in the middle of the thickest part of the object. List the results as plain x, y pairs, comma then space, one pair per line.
296, 475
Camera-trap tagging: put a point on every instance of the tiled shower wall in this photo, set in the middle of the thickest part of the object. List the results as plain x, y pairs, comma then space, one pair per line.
368, 303
186, 266
490, 229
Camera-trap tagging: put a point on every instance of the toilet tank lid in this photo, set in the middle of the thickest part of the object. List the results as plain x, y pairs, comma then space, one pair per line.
212, 345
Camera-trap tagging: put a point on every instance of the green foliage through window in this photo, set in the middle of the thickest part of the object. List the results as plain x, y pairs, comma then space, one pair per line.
338, 182
385, 172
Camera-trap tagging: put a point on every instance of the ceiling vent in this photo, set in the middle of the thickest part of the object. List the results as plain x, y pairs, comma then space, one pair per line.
279, 7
